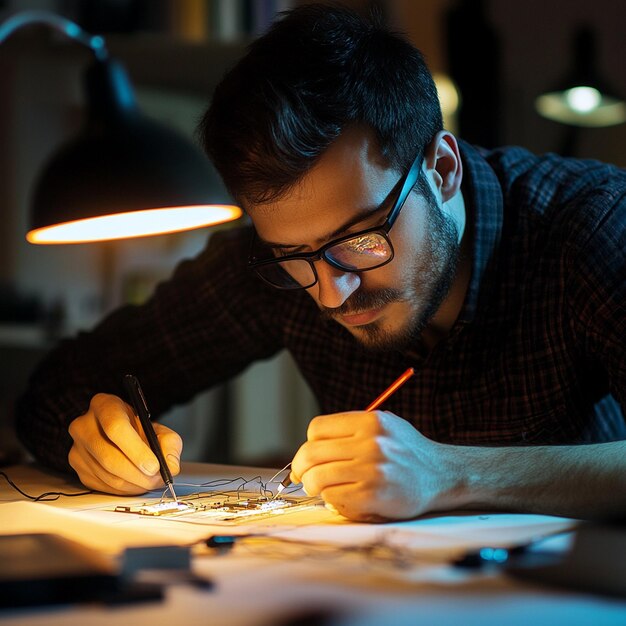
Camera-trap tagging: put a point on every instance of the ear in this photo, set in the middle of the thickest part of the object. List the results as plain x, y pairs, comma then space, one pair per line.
443, 161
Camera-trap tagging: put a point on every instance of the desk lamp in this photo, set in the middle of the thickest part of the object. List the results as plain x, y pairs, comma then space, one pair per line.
123, 175
583, 98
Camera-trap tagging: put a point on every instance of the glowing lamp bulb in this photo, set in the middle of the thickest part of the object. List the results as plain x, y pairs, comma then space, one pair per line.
583, 99
134, 224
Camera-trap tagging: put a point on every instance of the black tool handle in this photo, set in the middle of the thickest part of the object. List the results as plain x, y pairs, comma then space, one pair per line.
138, 402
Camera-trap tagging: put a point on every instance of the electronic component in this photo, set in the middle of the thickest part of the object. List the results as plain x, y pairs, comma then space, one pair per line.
162, 508
229, 507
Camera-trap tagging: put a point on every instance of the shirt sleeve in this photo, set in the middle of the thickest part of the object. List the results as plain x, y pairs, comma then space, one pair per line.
596, 289
205, 324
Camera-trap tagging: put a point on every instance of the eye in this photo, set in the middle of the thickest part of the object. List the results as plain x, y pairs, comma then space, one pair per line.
280, 252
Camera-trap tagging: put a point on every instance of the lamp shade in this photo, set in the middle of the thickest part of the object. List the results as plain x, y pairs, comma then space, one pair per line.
584, 98
124, 175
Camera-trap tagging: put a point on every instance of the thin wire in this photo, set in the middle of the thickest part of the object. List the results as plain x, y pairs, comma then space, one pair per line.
235, 493
273, 478
48, 496
221, 482
51, 496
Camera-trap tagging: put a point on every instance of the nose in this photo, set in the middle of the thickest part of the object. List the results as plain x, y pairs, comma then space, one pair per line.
334, 287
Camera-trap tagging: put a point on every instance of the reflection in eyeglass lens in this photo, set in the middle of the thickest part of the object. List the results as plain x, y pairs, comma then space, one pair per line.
361, 252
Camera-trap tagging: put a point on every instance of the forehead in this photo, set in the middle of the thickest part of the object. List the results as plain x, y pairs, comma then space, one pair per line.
349, 178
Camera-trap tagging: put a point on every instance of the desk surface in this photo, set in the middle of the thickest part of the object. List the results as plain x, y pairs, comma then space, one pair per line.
284, 586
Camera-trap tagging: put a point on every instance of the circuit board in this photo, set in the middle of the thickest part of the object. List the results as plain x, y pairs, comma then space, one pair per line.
232, 507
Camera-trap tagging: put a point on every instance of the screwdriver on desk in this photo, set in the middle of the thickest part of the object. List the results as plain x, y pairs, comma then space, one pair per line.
395, 385
139, 404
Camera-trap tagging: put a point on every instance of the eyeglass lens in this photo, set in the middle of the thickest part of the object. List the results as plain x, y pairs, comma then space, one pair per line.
360, 253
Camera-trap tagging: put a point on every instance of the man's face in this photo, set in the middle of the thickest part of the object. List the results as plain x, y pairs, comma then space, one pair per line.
350, 189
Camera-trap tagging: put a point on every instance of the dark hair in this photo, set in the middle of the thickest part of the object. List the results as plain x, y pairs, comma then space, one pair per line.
318, 70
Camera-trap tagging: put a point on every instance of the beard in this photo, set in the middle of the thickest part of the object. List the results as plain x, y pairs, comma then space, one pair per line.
431, 275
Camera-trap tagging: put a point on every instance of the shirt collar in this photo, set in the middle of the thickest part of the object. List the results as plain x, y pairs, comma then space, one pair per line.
483, 202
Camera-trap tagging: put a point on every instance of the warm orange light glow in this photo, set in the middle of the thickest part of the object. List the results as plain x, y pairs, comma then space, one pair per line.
135, 224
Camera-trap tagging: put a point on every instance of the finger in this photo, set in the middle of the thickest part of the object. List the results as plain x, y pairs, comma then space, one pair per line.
368, 450
321, 477
171, 445
312, 453
91, 477
109, 457
337, 425
114, 418
122, 478
95, 482
353, 502
92, 482
97, 453
121, 483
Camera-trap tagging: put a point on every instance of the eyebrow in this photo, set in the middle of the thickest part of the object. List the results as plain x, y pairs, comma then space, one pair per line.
361, 216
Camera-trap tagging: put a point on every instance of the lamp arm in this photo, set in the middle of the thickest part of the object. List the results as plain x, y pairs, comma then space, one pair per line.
27, 18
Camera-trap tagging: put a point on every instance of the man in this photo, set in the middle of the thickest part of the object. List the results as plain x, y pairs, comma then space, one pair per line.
380, 242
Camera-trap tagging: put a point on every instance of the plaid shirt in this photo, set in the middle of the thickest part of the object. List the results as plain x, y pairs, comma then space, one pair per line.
536, 356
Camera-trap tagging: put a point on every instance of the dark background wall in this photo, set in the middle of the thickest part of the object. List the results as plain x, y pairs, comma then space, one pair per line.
513, 50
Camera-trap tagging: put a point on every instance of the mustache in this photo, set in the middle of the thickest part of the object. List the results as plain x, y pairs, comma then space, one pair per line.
361, 301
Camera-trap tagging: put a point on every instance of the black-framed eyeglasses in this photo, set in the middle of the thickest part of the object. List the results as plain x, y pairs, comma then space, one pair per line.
357, 252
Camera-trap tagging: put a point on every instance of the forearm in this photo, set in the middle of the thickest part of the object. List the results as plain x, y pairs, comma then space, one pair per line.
44, 433
584, 481
45, 410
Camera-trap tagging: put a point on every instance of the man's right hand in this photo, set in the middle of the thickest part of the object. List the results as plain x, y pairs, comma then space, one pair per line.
110, 452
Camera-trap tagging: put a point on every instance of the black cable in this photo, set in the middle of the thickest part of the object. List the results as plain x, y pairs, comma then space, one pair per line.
48, 496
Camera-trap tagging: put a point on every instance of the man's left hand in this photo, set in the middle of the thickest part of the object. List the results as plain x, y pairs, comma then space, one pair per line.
373, 466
